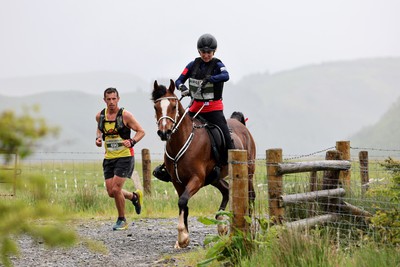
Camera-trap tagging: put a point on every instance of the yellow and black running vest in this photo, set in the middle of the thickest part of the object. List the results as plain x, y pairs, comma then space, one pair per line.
114, 132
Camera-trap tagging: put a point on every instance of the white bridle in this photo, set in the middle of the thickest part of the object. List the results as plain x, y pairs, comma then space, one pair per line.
165, 116
174, 129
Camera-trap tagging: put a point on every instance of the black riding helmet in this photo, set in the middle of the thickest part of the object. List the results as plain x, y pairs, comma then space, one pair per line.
207, 43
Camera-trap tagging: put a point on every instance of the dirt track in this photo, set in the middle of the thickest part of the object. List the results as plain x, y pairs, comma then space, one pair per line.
145, 243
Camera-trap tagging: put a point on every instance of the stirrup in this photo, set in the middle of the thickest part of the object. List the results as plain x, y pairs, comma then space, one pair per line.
160, 172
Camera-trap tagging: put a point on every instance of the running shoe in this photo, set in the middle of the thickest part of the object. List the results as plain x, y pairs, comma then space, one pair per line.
138, 201
120, 225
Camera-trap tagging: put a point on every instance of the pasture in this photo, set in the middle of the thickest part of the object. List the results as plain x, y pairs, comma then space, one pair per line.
77, 185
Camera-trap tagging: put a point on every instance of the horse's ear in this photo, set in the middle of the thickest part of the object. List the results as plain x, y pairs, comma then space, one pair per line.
155, 84
171, 85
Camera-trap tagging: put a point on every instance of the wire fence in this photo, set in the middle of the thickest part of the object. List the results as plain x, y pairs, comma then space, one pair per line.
350, 211
366, 204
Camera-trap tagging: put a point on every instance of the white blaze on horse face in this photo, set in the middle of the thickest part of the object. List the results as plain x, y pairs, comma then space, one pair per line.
164, 107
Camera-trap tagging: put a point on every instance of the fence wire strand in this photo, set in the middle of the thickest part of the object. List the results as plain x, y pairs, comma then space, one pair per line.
66, 175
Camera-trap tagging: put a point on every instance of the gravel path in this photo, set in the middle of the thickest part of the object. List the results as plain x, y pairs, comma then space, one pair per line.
145, 243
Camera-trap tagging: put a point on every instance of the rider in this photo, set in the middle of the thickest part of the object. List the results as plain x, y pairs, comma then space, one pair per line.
206, 75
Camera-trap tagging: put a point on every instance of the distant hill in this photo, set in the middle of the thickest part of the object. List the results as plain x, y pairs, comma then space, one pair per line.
310, 108
90, 82
75, 113
383, 135
301, 110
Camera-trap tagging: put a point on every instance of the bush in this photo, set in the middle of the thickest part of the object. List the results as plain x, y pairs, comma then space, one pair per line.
386, 222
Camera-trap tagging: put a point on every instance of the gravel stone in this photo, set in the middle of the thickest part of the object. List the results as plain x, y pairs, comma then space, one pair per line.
145, 243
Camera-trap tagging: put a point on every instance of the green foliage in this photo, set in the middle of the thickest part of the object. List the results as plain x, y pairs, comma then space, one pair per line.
391, 164
35, 219
18, 217
386, 225
86, 199
228, 250
386, 221
318, 247
294, 248
373, 255
20, 133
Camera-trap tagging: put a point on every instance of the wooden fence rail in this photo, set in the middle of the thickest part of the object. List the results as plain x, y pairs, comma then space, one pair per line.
310, 166
329, 196
312, 196
335, 169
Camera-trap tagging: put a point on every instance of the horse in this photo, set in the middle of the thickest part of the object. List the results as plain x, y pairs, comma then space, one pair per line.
239, 116
188, 154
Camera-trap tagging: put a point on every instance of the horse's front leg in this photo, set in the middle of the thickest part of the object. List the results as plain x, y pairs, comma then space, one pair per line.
183, 228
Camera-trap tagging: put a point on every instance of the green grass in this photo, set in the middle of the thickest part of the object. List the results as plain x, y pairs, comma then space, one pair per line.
319, 249
78, 187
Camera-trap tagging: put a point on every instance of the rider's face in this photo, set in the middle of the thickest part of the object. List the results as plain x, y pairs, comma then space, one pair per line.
206, 56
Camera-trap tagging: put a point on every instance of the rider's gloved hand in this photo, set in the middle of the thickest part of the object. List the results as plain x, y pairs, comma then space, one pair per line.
184, 90
205, 81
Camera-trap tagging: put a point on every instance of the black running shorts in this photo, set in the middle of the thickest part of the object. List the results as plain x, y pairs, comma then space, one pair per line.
122, 167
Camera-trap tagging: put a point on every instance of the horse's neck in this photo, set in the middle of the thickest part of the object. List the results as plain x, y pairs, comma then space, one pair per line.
182, 134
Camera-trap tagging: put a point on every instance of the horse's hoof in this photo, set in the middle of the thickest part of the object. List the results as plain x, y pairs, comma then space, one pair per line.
222, 229
181, 245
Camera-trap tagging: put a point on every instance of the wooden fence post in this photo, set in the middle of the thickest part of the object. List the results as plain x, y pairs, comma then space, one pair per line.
331, 181
239, 189
364, 173
344, 148
276, 210
146, 167
313, 181
313, 187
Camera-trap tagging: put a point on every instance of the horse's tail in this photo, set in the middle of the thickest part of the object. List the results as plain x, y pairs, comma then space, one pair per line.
239, 116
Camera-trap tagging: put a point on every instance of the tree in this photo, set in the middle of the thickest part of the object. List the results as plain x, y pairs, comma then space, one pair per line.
20, 134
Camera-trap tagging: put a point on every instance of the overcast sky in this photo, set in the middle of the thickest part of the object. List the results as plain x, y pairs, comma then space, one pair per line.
156, 39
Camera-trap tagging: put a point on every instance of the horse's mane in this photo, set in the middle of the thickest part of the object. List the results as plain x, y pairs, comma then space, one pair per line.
159, 92
239, 116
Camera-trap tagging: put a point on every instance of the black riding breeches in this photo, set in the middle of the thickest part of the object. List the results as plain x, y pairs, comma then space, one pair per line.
218, 118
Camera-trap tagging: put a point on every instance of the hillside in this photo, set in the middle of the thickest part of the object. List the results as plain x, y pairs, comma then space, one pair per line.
90, 82
310, 108
383, 135
301, 111
75, 113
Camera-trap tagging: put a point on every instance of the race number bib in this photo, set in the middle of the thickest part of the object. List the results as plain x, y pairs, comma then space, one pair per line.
114, 144
206, 94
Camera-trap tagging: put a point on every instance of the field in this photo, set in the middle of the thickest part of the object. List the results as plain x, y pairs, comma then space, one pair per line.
78, 187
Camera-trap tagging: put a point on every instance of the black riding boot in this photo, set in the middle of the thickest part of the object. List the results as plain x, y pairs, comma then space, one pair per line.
229, 145
160, 172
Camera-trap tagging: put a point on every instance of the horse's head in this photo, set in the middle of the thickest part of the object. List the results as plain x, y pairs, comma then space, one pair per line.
239, 116
166, 108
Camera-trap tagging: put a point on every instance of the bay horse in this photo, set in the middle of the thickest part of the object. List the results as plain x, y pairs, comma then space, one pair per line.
188, 154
